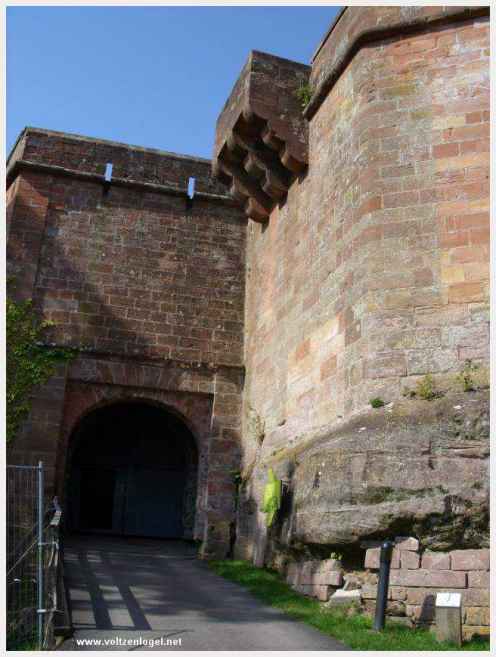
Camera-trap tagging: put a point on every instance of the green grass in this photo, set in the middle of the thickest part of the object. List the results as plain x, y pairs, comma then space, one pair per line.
354, 631
14, 643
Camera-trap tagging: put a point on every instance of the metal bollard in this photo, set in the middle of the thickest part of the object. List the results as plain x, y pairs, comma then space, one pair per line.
382, 587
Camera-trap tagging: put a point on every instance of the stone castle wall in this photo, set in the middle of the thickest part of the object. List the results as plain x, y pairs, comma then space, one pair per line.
361, 274
371, 274
146, 284
130, 270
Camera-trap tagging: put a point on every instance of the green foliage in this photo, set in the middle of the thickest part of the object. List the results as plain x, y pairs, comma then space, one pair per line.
336, 555
355, 631
426, 389
467, 376
16, 643
304, 95
376, 402
29, 362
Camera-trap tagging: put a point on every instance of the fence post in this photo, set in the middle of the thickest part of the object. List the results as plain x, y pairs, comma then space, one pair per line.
41, 508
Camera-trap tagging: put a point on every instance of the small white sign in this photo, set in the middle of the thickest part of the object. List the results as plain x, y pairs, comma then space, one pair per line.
448, 600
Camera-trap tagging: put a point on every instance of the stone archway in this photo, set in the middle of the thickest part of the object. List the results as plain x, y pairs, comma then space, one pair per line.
132, 470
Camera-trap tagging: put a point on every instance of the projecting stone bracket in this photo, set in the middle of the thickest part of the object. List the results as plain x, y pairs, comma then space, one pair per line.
262, 138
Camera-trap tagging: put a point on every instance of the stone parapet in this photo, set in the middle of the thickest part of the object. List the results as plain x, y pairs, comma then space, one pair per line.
261, 136
86, 155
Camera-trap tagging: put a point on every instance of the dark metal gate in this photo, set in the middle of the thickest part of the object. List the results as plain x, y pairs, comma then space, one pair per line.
133, 501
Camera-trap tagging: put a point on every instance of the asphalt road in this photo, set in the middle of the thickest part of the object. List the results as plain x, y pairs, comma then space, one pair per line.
139, 590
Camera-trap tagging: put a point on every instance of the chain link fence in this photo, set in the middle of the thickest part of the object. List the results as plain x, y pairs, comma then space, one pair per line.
33, 560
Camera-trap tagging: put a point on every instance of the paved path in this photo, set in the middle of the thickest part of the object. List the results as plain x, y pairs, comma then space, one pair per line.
146, 588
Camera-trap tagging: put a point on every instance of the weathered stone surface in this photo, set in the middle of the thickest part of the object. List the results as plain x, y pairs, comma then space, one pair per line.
395, 608
398, 593
315, 573
404, 543
428, 578
344, 598
314, 590
328, 565
147, 287
470, 559
476, 615
436, 560
354, 290
372, 558
403, 287
448, 624
476, 597
261, 136
333, 578
410, 560
379, 473
478, 580
427, 596
369, 591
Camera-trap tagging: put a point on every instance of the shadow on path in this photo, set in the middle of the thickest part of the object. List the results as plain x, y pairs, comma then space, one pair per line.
136, 590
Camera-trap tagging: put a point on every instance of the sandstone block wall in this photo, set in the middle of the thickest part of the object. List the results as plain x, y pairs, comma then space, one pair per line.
318, 579
148, 287
128, 271
371, 275
367, 271
417, 576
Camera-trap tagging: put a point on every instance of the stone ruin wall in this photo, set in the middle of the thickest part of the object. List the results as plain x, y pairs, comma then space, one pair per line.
371, 273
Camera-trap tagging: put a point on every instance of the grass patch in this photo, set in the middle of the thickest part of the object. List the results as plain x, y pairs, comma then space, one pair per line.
354, 631
23, 643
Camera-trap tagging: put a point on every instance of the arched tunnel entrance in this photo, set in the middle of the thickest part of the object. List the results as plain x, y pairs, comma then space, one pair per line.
132, 472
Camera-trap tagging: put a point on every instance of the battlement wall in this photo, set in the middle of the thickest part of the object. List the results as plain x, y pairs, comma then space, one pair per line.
86, 155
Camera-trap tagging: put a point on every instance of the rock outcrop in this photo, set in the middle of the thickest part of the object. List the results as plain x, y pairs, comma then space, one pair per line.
413, 468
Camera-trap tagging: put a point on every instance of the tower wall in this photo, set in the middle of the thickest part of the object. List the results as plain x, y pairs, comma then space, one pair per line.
370, 277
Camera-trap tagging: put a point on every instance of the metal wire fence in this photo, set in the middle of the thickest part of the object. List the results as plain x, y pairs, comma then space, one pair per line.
33, 562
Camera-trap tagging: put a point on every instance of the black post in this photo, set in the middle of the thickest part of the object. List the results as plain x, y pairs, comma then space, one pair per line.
383, 585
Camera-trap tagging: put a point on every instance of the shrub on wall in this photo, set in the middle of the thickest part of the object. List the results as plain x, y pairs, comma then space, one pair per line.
29, 361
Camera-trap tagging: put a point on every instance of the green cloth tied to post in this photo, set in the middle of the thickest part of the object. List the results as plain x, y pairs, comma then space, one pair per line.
272, 498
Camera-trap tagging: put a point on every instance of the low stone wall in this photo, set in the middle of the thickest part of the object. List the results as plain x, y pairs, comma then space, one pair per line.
416, 577
318, 579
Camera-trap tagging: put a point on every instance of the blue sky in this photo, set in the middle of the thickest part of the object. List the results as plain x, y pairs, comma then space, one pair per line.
150, 76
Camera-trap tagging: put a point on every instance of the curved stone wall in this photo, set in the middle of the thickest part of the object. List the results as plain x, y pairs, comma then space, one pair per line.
372, 275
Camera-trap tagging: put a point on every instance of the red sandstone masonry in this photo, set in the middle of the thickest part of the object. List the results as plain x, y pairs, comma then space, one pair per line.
129, 272
131, 163
149, 287
464, 571
470, 560
353, 289
410, 223
318, 579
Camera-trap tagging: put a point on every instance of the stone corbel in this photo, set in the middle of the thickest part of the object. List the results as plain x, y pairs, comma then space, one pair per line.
261, 139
